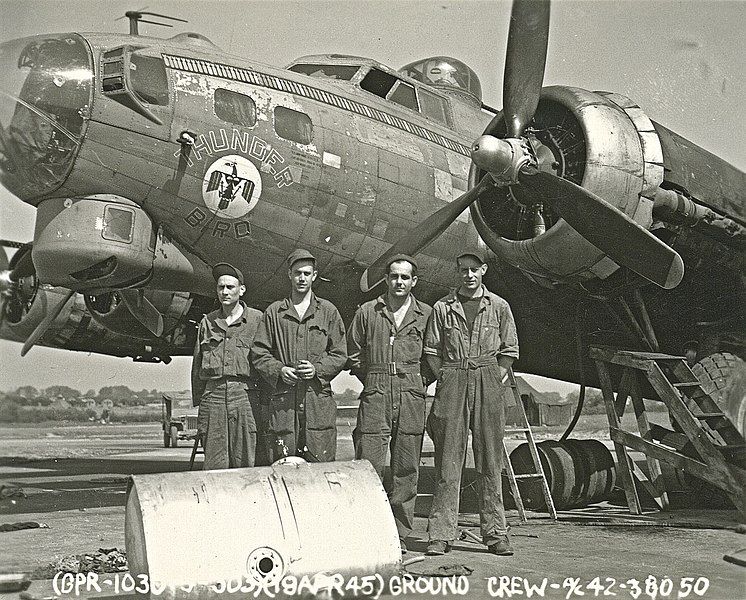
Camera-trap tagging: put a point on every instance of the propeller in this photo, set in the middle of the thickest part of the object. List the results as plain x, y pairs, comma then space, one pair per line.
143, 310
42, 327
512, 161
424, 233
525, 59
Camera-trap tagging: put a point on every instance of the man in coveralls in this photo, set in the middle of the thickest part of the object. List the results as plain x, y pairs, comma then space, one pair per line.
299, 348
223, 384
471, 343
385, 349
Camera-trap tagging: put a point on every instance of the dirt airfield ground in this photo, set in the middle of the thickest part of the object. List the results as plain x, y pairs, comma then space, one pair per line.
74, 478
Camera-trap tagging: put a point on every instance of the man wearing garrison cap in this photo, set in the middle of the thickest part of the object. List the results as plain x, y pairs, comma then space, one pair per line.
299, 348
471, 342
224, 386
385, 353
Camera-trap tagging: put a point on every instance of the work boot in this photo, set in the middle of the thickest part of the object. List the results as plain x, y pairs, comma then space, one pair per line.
501, 547
438, 548
403, 545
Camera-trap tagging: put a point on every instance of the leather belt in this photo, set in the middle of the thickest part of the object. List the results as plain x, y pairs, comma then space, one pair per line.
473, 362
394, 368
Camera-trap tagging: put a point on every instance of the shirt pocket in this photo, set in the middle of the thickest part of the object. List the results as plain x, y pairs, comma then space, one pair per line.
410, 345
318, 337
212, 355
241, 360
489, 339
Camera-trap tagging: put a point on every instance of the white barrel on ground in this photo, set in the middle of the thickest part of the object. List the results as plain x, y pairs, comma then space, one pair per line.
190, 533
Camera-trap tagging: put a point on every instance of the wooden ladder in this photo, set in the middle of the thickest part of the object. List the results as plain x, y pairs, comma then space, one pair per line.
708, 446
538, 473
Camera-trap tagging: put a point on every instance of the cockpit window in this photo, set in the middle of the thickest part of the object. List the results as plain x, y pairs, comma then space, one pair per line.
378, 82
341, 72
149, 80
433, 107
404, 94
235, 108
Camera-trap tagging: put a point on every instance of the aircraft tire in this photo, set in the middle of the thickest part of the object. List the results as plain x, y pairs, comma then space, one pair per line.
723, 376
174, 437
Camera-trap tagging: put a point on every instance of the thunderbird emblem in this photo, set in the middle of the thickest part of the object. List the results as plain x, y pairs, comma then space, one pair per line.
231, 187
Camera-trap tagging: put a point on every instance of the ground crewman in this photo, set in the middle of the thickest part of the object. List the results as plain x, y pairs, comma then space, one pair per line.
299, 348
471, 343
223, 384
385, 353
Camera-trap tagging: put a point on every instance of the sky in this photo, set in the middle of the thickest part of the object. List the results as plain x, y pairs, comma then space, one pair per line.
677, 60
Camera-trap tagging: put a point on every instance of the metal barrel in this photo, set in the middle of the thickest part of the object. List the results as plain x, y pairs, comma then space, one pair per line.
599, 469
192, 533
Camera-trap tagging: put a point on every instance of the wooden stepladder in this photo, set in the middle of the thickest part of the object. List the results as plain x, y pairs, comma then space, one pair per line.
538, 474
709, 446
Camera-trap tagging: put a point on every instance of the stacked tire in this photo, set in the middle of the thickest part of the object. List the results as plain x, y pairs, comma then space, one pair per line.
579, 473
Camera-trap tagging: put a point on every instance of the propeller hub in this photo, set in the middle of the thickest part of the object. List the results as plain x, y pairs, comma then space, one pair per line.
502, 158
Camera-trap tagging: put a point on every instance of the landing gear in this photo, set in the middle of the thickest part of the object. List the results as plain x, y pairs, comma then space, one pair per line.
723, 376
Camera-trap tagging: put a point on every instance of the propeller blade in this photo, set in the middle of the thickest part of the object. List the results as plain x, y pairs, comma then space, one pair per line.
424, 233
42, 327
143, 310
525, 60
23, 266
608, 228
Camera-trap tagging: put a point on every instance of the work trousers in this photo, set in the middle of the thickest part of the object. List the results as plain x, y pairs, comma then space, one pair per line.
405, 461
468, 399
227, 425
302, 422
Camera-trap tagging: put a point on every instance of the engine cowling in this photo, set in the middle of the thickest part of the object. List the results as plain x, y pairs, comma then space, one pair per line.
603, 142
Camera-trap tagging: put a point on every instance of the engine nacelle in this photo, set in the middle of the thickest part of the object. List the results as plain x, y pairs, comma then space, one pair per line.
107, 242
100, 324
109, 310
600, 141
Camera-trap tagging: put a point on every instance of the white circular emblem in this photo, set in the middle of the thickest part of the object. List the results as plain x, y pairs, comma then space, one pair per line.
232, 186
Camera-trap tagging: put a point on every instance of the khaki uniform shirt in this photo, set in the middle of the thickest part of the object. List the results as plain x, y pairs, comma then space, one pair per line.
389, 361
222, 350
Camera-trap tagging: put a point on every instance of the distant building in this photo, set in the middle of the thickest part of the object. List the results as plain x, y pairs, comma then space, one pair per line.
541, 408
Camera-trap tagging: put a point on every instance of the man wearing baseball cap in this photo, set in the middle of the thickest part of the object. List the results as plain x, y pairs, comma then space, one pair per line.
471, 342
299, 348
385, 353
224, 385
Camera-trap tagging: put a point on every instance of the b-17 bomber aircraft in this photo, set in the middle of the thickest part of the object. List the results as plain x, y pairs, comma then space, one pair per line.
150, 159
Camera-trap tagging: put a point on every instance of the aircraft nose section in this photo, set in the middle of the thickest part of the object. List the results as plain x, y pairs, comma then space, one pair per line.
46, 85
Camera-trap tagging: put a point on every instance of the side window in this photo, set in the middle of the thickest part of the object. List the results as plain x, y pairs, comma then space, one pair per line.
149, 80
404, 94
433, 107
118, 224
235, 108
293, 125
